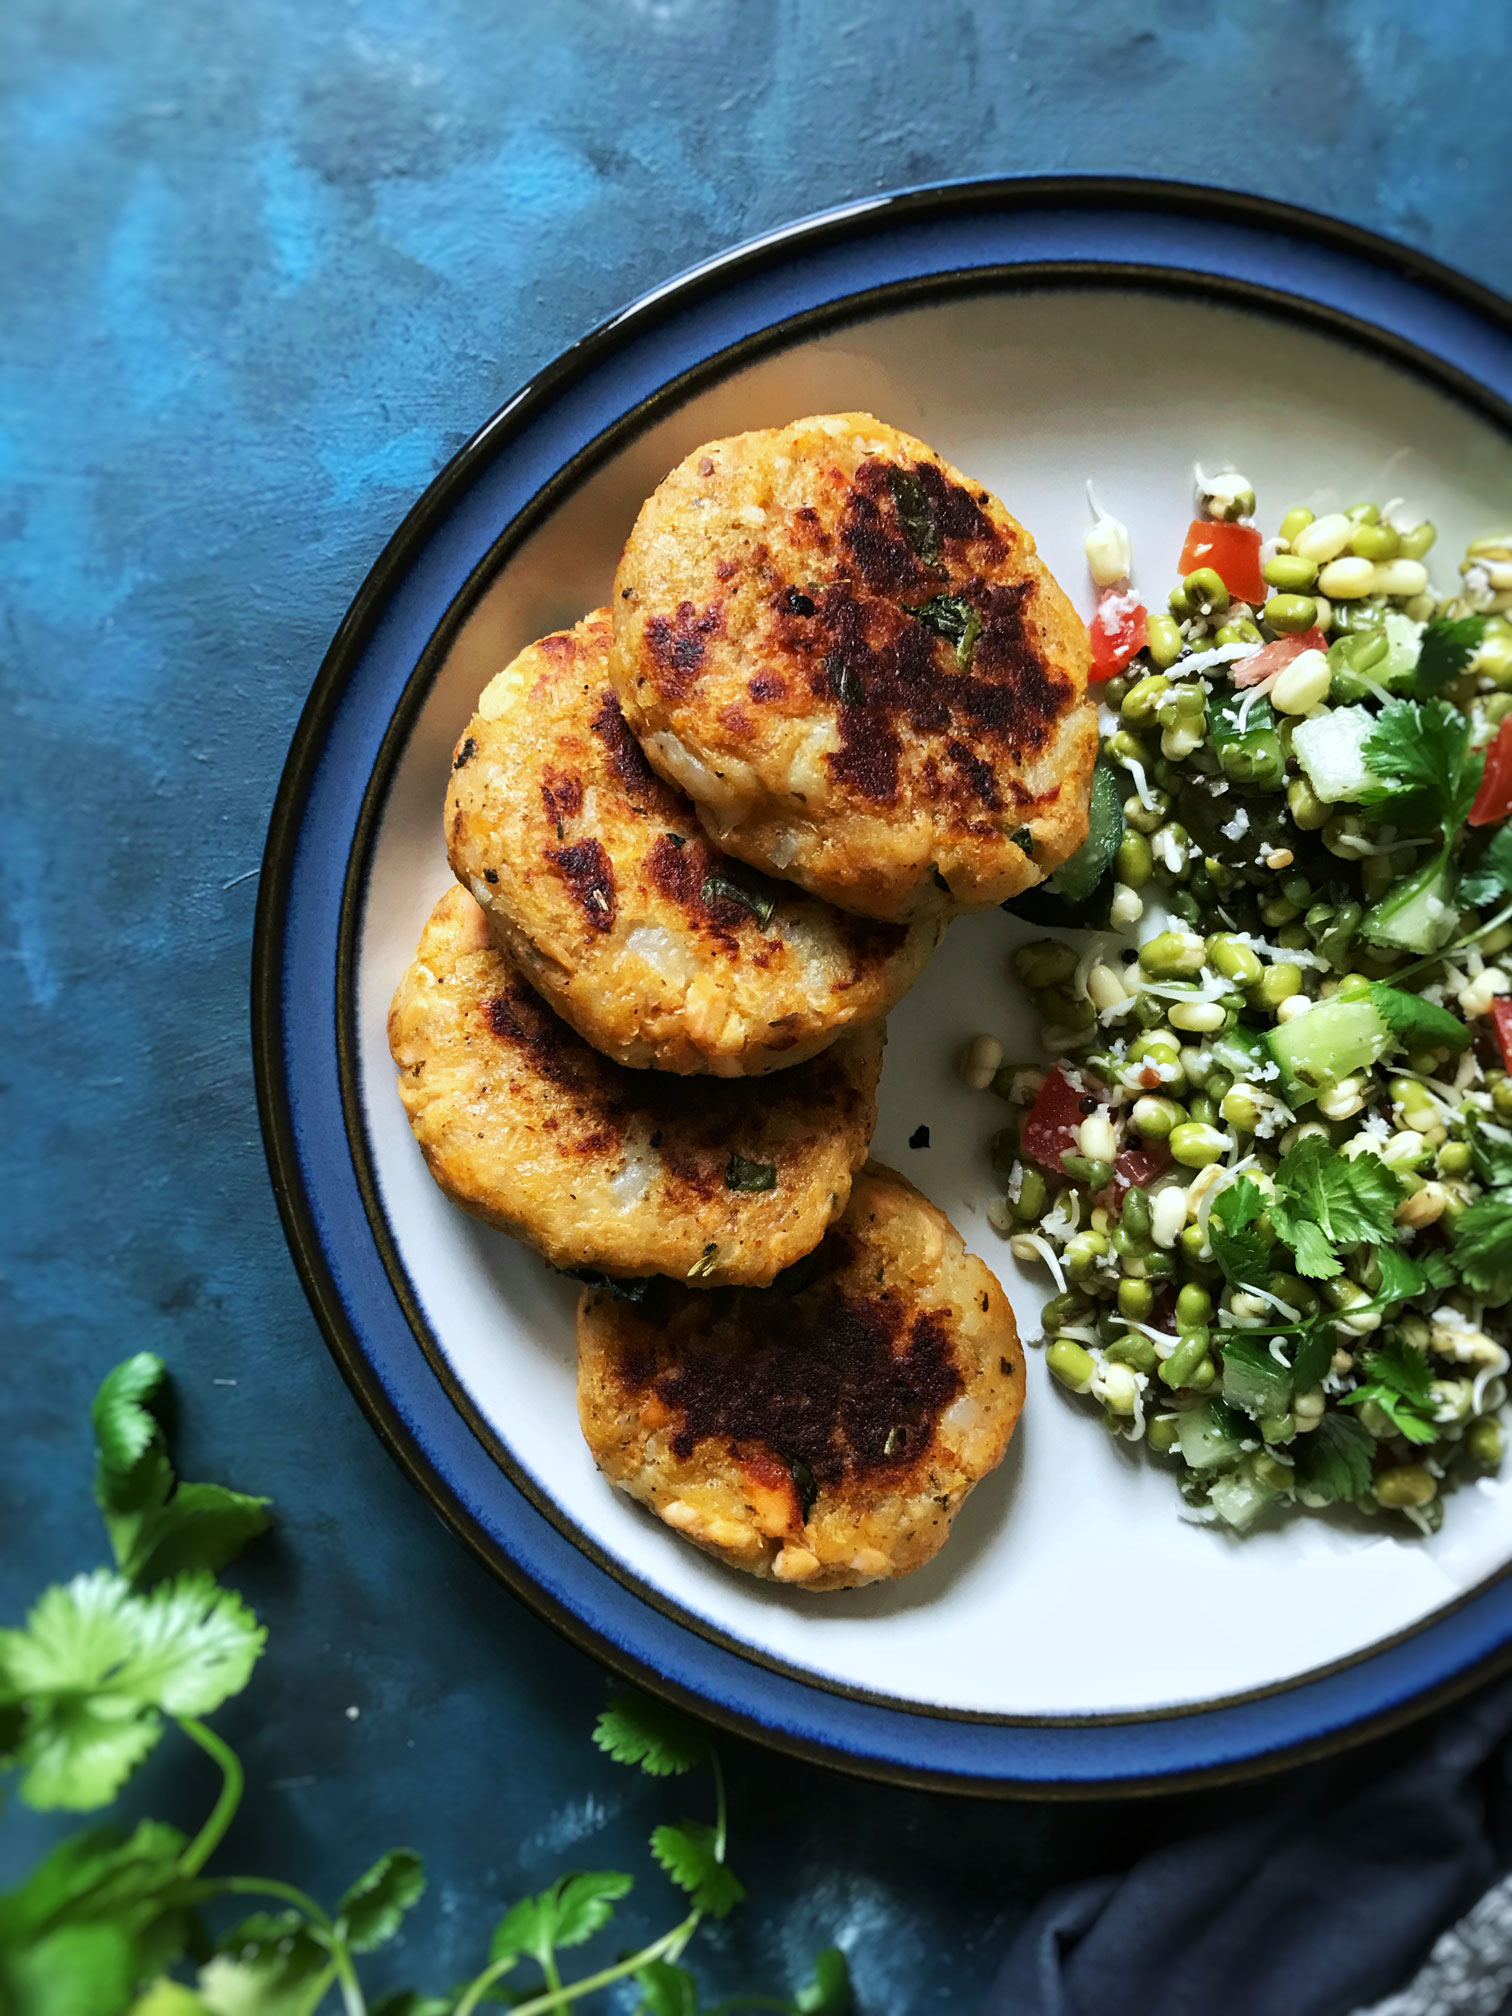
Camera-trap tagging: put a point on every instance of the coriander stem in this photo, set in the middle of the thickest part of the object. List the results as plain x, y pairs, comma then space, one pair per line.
1432, 958
265, 1886
351, 1988
233, 1779
721, 1816
668, 1946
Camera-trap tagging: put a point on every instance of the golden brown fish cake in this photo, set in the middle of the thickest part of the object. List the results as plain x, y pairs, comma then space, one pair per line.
825, 1431
598, 879
626, 1172
854, 662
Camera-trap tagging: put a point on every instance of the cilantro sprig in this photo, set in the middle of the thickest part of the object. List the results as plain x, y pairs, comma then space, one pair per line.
1323, 1200
105, 1666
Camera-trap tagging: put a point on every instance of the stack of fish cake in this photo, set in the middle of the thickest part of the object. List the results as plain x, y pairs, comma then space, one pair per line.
705, 840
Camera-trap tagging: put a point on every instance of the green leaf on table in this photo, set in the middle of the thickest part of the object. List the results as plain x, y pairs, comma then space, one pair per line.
96, 1667
666, 1990
1237, 1247
828, 1991
167, 1997
687, 1853
123, 1426
1417, 1024
1333, 1462
1487, 879
373, 1909
1447, 646
1323, 1199
1397, 1379
1482, 1245
78, 1970
157, 1528
570, 1912
634, 1729
270, 1964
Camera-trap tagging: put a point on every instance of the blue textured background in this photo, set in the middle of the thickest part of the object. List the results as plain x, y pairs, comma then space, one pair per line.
264, 267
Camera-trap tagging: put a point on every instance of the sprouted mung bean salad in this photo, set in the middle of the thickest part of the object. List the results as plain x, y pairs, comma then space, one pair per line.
1270, 1165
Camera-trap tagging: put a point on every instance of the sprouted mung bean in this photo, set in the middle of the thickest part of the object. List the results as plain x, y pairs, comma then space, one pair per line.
1269, 1169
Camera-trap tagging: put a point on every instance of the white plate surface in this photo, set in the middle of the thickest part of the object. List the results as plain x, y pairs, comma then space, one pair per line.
1070, 1585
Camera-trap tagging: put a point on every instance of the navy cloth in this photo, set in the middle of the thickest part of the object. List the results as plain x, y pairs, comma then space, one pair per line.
1325, 1892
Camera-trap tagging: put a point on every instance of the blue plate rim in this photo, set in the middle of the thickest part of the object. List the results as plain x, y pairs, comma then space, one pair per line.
981, 1753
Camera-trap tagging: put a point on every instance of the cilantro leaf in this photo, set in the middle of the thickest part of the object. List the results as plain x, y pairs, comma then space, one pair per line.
1333, 1462
1420, 756
1491, 1150
1314, 1353
1404, 1275
1416, 1023
373, 1909
687, 1853
1448, 644
1488, 878
1483, 1245
666, 1990
953, 618
570, 1912
917, 518
1323, 1199
1397, 1379
269, 1965
155, 1528
828, 1992
122, 1425
78, 1970
167, 1997
97, 1666
585, 1903
1238, 1249
634, 1729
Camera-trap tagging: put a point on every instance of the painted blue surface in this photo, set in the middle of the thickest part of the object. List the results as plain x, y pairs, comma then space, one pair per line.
265, 268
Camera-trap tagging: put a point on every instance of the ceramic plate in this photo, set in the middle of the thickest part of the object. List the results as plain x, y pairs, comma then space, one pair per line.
1075, 1633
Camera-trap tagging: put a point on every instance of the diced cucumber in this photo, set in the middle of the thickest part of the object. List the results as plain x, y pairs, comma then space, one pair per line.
1417, 913
1326, 1044
1404, 643
1241, 1052
1240, 1497
1252, 1379
1330, 746
1076, 879
1208, 1437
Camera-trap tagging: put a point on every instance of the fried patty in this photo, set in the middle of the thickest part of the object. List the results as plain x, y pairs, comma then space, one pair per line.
852, 659
599, 881
625, 1172
825, 1431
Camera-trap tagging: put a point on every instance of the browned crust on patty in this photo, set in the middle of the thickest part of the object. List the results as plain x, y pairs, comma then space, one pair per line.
594, 1165
854, 660
825, 1431
600, 882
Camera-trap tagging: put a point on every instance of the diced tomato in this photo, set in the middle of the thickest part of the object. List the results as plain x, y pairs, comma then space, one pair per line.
1501, 1016
1233, 551
1135, 1169
1049, 1131
1493, 801
1271, 657
1119, 629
